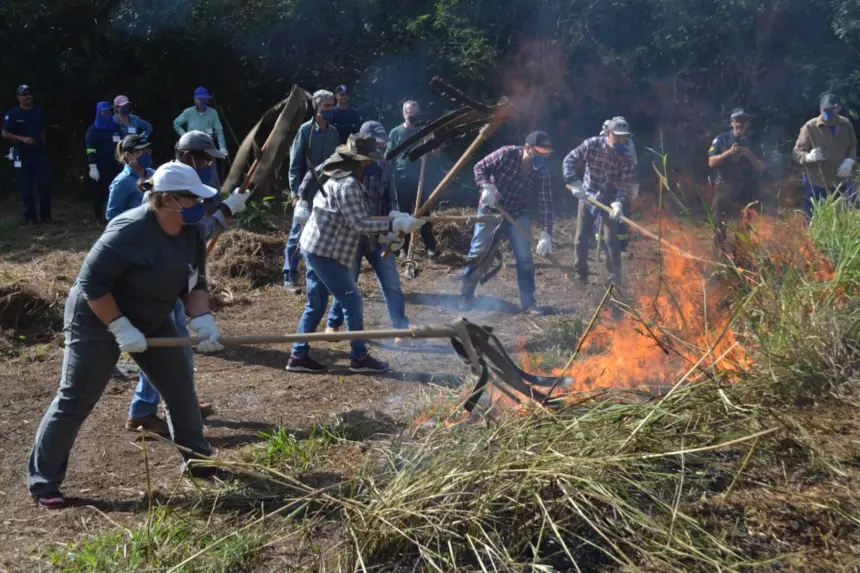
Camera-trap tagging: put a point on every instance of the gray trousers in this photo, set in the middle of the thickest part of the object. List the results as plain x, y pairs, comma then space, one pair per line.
90, 355
584, 230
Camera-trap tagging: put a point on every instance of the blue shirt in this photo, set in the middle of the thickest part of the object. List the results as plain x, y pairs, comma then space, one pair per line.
124, 193
346, 121
135, 125
319, 144
26, 123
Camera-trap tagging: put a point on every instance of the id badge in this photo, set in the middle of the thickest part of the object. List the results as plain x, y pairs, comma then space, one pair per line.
132, 130
192, 278
17, 164
116, 138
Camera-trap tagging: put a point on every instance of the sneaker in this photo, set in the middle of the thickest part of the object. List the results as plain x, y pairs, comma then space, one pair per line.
466, 302
206, 409
368, 364
432, 253
331, 329
292, 287
51, 500
151, 423
535, 311
305, 364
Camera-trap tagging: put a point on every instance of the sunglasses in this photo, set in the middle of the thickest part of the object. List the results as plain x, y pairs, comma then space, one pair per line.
186, 195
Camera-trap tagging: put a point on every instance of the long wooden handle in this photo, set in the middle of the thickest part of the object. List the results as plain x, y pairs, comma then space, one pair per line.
448, 218
646, 232
428, 331
244, 186
509, 218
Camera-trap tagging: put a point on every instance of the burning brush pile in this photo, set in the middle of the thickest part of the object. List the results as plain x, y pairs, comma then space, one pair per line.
714, 474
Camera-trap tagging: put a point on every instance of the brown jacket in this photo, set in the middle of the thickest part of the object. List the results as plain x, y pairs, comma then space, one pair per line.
836, 149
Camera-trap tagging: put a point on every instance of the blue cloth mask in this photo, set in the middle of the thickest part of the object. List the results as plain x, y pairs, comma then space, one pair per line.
145, 160
828, 114
327, 114
620, 148
202, 105
372, 170
193, 215
538, 161
104, 116
205, 174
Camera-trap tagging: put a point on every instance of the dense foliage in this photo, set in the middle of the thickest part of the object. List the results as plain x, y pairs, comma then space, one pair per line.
674, 66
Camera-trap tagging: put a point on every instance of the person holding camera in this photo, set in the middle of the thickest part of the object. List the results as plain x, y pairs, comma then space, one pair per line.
739, 164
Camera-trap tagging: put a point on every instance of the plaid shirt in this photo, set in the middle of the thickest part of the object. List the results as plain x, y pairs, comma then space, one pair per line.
604, 170
516, 184
338, 220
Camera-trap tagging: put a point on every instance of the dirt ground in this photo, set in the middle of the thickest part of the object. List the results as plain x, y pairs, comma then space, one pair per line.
249, 386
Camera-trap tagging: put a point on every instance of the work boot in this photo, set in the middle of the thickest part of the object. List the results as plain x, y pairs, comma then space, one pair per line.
432, 253
305, 363
466, 302
151, 423
206, 409
291, 286
368, 365
535, 311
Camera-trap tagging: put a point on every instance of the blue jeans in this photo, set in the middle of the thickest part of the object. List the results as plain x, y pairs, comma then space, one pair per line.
324, 276
291, 254
35, 170
146, 397
847, 190
389, 281
522, 248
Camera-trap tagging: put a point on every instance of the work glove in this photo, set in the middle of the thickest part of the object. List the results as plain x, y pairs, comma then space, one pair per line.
129, 338
617, 210
406, 224
845, 169
578, 190
236, 201
204, 327
394, 214
544, 246
302, 212
489, 195
393, 240
815, 155
94, 172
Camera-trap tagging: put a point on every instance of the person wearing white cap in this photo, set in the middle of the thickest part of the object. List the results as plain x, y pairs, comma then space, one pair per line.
125, 292
129, 123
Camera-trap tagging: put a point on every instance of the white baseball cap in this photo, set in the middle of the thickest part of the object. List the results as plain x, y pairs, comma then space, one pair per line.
175, 177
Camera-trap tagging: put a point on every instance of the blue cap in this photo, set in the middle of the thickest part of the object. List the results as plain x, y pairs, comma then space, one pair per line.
341, 89
374, 129
201, 93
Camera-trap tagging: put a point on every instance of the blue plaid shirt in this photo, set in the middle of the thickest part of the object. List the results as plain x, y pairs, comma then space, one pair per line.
604, 173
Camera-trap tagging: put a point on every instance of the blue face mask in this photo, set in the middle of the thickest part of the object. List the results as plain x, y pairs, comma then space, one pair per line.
620, 148
193, 215
327, 114
145, 160
125, 110
205, 174
372, 170
538, 161
202, 105
828, 114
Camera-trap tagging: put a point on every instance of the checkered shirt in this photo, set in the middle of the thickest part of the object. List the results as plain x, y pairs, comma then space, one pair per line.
338, 220
604, 173
517, 185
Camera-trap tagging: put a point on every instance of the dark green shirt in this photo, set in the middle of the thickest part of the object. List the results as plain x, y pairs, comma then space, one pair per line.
144, 268
404, 169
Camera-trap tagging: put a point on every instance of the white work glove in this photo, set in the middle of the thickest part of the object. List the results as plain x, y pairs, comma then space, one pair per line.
204, 327
394, 214
544, 246
617, 210
393, 240
236, 201
94, 172
815, 155
845, 169
129, 338
634, 190
302, 212
406, 224
489, 195
578, 190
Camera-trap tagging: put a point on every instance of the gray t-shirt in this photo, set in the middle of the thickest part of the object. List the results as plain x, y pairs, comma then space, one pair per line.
144, 268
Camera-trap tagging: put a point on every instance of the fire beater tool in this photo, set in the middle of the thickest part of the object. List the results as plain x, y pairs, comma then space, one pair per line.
476, 345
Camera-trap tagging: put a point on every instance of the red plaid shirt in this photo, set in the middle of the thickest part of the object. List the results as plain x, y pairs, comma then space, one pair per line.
517, 185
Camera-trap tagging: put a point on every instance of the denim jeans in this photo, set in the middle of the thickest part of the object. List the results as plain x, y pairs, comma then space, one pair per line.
324, 276
389, 281
522, 248
848, 190
89, 357
584, 227
291, 254
146, 397
35, 170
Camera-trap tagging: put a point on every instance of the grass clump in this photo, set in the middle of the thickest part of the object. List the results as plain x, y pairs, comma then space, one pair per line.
165, 540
